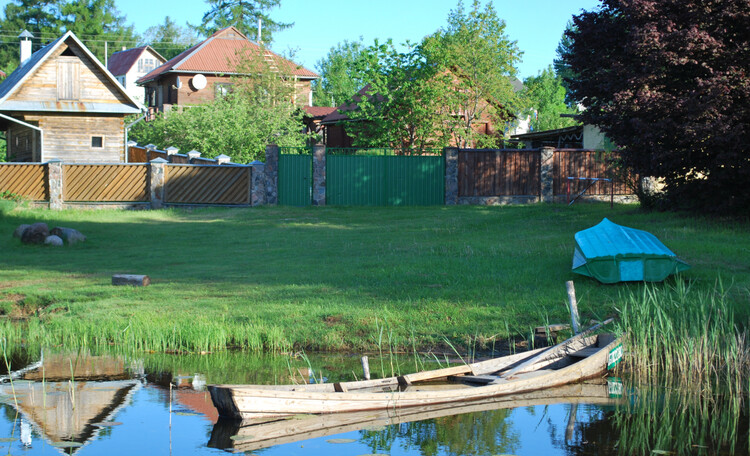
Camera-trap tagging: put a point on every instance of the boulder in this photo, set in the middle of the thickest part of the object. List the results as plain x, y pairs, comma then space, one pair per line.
53, 240
68, 235
19, 231
35, 234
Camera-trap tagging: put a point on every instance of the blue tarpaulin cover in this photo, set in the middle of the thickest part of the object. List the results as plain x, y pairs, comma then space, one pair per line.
611, 253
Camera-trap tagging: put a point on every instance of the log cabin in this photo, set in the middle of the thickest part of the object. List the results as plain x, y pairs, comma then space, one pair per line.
62, 103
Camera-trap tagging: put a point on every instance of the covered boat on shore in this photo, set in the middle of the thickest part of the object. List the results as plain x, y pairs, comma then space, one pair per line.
581, 357
611, 253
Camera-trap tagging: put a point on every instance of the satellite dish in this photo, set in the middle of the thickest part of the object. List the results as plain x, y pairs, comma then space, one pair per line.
199, 82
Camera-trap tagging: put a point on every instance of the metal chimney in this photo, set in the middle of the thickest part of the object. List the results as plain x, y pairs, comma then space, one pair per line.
26, 37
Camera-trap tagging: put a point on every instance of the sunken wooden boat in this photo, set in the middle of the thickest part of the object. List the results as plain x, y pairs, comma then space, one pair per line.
581, 357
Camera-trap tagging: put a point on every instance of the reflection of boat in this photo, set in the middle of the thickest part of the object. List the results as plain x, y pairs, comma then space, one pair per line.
612, 253
581, 357
240, 436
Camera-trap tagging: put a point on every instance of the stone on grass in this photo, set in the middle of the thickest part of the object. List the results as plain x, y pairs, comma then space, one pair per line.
19, 231
68, 235
35, 234
53, 240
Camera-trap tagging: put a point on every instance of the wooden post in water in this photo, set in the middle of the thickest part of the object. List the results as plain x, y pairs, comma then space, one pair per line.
574, 318
366, 367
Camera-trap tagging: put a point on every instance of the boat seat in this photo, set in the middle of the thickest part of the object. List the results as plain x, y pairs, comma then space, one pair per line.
474, 379
585, 353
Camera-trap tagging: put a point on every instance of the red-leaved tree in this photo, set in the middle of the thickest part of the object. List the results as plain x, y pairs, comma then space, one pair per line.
669, 82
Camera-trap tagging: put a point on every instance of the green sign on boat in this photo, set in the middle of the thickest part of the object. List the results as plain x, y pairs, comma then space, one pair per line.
614, 357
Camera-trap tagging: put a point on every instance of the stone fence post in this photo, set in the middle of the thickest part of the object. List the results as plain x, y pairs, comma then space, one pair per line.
451, 175
272, 174
319, 175
546, 174
156, 182
55, 176
258, 183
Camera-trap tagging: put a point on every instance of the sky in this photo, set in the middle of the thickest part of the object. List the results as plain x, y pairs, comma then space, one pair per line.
536, 25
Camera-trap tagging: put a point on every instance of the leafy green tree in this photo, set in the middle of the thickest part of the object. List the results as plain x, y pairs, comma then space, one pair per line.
476, 50
96, 22
545, 96
40, 17
341, 74
562, 68
168, 38
244, 15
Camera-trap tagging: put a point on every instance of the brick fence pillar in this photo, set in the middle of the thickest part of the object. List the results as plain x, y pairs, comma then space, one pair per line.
451, 175
156, 182
319, 175
546, 174
55, 176
258, 183
272, 174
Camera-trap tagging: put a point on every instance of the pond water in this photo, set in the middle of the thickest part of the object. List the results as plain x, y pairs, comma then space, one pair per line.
158, 404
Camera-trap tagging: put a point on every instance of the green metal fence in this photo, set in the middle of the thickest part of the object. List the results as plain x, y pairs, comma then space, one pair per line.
295, 176
384, 179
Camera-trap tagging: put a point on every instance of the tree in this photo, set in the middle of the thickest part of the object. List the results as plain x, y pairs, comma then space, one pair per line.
168, 38
562, 69
244, 15
341, 74
669, 82
545, 96
40, 17
476, 50
96, 22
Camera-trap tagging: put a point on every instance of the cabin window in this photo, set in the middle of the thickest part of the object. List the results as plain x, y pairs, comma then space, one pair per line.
68, 79
97, 142
222, 89
146, 65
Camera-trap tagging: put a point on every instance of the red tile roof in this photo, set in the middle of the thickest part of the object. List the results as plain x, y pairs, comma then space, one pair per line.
319, 111
220, 54
2, 74
338, 113
122, 61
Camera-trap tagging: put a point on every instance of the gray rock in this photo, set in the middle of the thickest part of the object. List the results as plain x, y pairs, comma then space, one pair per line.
68, 235
19, 231
35, 234
53, 240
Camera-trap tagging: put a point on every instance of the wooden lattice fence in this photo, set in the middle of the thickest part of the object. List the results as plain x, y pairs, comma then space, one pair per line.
193, 184
26, 180
105, 183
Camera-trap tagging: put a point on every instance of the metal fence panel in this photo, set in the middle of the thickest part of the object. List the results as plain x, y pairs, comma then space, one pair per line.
295, 179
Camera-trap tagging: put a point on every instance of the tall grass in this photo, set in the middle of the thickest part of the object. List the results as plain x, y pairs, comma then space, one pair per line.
682, 335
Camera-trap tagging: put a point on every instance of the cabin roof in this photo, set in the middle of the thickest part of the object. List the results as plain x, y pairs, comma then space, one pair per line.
219, 54
23, 73
121, 62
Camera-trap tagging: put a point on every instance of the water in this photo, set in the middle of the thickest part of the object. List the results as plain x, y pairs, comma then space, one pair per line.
118, 405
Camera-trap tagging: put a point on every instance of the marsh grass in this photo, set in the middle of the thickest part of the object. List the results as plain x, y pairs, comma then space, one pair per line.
680, 334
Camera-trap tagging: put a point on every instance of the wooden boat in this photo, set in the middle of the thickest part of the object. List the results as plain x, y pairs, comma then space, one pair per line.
580, 357
241, 436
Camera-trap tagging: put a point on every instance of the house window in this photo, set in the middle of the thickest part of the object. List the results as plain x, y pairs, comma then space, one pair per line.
146, 65
221, 89
121, 80
97, 142
68, 79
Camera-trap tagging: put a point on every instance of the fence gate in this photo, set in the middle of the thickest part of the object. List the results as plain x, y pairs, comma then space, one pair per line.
360, 178
295, 176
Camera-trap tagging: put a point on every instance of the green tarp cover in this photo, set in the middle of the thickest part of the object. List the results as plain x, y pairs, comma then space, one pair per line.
611, 253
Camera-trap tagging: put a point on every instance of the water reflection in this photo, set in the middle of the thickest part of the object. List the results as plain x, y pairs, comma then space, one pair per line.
84, 404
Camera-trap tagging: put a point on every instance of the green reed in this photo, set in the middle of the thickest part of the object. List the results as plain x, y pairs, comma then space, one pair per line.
691, 336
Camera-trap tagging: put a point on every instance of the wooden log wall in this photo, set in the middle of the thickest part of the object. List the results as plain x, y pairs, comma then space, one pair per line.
29, 181
105, 183
584, 163
504, 172
197, 184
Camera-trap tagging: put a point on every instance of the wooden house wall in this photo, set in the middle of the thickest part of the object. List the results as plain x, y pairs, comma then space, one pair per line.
94, 86
68, 137
22, 144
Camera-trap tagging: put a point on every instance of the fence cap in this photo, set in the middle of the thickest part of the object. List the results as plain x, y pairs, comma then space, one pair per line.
159, 160
132, 143
171, 150
54, 160
193, 154
256, 163
151, 146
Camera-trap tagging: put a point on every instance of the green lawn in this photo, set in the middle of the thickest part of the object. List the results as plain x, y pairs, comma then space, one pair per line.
276, 278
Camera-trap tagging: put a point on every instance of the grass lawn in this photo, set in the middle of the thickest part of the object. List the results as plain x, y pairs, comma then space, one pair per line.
333, 278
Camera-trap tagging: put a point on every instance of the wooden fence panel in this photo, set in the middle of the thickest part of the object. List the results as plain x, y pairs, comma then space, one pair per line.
503, 172
584, 163
180, 159
29, 181
193, 184
137, 154
105, 183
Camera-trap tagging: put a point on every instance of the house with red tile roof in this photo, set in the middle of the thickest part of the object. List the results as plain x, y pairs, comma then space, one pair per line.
129, 65
208, 69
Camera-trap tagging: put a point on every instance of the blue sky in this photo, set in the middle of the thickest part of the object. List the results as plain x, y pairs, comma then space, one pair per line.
536, 25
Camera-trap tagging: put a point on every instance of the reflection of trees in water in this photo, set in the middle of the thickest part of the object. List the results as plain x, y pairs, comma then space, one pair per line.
482, 433
671, 421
